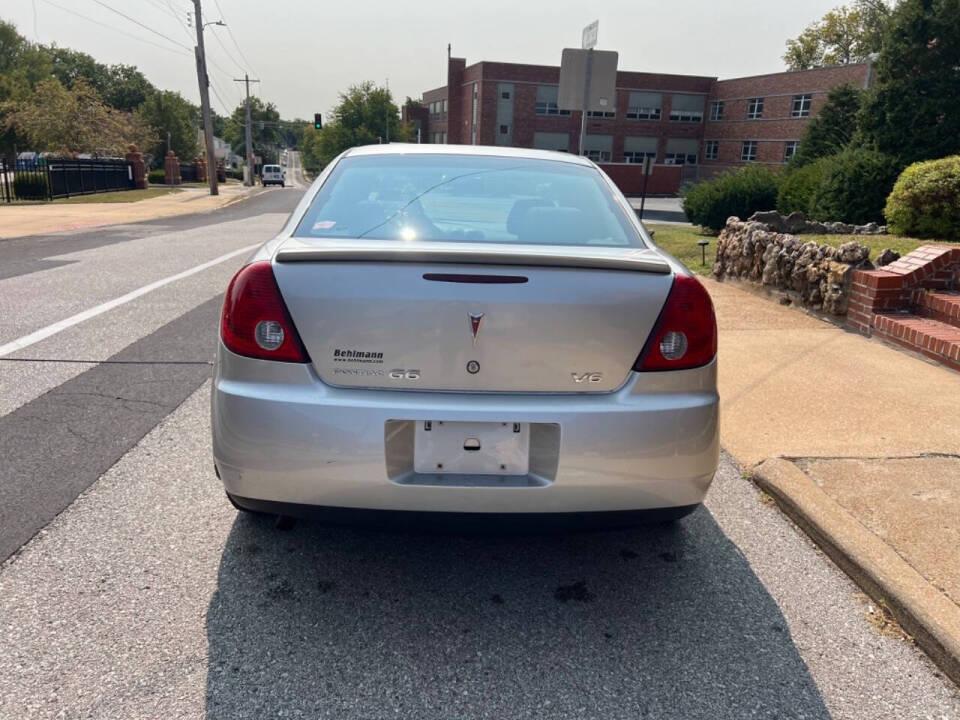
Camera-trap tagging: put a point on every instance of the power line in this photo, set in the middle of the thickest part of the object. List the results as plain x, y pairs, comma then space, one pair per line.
168, 9
233, 37
227, 52
114, 29
145, 27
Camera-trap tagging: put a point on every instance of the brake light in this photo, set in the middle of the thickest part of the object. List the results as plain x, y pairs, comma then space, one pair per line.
685, 335
255, 321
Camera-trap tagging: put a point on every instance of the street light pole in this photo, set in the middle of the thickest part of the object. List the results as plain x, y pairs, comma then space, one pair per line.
205, 103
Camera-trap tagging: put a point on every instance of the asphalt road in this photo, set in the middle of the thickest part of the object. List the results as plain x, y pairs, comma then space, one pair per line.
132, 588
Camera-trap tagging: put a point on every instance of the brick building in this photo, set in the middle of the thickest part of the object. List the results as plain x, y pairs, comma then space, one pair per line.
692, 125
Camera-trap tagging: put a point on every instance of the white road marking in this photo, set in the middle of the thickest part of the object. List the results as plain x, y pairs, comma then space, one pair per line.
53, 329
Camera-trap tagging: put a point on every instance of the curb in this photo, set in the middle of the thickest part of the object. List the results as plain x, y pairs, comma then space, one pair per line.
921, 609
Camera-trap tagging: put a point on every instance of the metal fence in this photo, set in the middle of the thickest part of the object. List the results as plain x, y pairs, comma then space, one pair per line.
50, 178
188, 172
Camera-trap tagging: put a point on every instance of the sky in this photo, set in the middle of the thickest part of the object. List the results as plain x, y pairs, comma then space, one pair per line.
304, 52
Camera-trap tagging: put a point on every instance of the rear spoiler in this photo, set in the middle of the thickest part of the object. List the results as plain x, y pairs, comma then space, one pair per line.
296, 249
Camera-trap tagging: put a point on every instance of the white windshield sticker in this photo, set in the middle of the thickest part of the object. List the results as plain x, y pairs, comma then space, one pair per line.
324, 224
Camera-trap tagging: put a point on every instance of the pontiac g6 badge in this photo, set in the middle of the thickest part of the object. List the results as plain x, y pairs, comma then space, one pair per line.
476, 319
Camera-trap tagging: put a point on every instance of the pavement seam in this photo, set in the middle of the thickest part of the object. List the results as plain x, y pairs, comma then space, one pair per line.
924, 612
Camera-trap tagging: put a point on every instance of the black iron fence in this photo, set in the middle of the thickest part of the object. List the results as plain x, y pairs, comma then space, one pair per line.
49, 178
188, 172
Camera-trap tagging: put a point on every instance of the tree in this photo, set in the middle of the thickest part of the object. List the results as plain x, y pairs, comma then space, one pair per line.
844, 35
121, 86
265, 134
168, 111
363, 116
22, 65
834, 127
910, 112
74, 121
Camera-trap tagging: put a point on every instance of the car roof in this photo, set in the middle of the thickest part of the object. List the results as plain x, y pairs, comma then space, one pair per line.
484, 150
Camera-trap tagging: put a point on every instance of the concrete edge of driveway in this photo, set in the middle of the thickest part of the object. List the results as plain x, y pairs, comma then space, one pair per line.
921, 609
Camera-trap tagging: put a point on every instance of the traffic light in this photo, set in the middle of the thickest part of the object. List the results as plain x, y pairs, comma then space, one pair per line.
317, 122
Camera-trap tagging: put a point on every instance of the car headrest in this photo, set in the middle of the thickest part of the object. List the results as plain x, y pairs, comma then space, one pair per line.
554, 225
519, 210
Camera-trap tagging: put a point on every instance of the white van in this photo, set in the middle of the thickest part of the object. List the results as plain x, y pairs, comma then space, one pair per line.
273, 175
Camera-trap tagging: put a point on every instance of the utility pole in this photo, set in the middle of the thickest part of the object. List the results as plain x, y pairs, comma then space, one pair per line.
387, 111
248, 180
205, 102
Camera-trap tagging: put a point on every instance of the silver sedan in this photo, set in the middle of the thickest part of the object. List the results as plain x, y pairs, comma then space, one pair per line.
461, 329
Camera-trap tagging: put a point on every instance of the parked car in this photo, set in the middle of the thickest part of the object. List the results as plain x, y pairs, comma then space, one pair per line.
273, 175
471, 330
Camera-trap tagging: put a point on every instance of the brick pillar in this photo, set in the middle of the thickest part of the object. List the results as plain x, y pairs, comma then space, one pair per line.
138, 167
221, 172
171, 169
201, 169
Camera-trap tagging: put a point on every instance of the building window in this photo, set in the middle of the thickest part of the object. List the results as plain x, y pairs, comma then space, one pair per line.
601, 114
681, 151
547, 101
635, 149
754, 108
443, 138
637, 156
598, 147
551, 141
716, 110
644, 106
504, 129
748, 151
790, 149
504, 94
711, 149
444, 107
801, 105
686, 108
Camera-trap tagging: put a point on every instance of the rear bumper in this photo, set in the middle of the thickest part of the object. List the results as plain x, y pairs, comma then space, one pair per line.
281, 435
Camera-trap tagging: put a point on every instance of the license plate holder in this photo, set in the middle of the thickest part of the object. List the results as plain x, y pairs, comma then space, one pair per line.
473, 448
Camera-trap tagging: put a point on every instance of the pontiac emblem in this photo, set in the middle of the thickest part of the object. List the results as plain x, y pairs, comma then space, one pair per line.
476, 320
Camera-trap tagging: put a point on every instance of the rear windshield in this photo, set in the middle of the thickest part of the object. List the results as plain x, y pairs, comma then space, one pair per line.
465, 198
271, 168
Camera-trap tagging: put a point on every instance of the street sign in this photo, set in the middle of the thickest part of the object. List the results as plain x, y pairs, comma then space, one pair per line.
588, 40
599, 89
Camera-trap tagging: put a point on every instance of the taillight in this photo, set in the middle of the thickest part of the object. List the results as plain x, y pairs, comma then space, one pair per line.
255, 321
685, 335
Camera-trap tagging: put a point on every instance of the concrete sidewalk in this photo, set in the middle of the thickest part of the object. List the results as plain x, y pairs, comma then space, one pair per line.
872, 435
43, 219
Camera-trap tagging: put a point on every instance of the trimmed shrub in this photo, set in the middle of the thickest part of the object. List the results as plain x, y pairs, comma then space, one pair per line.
926, 200
855, 188
739, 192
31, 187
800, 183
156, 177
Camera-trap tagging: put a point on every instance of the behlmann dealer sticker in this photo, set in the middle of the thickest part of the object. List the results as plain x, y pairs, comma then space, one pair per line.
357, 356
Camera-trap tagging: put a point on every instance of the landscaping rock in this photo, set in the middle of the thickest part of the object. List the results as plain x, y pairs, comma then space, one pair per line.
819, 275
795, 223
886, 257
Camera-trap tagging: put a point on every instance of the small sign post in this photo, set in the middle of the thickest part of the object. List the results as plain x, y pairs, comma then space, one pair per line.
647, 168
588, 79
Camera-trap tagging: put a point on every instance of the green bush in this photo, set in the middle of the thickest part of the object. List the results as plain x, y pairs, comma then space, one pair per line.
855, 188
926, 200
156, 177
739, 192
31, 187
800, 183
235, 173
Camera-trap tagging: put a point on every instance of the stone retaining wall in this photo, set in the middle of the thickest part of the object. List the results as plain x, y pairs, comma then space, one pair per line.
816, 276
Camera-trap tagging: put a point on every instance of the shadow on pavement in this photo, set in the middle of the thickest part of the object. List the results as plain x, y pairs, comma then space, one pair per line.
655, 622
